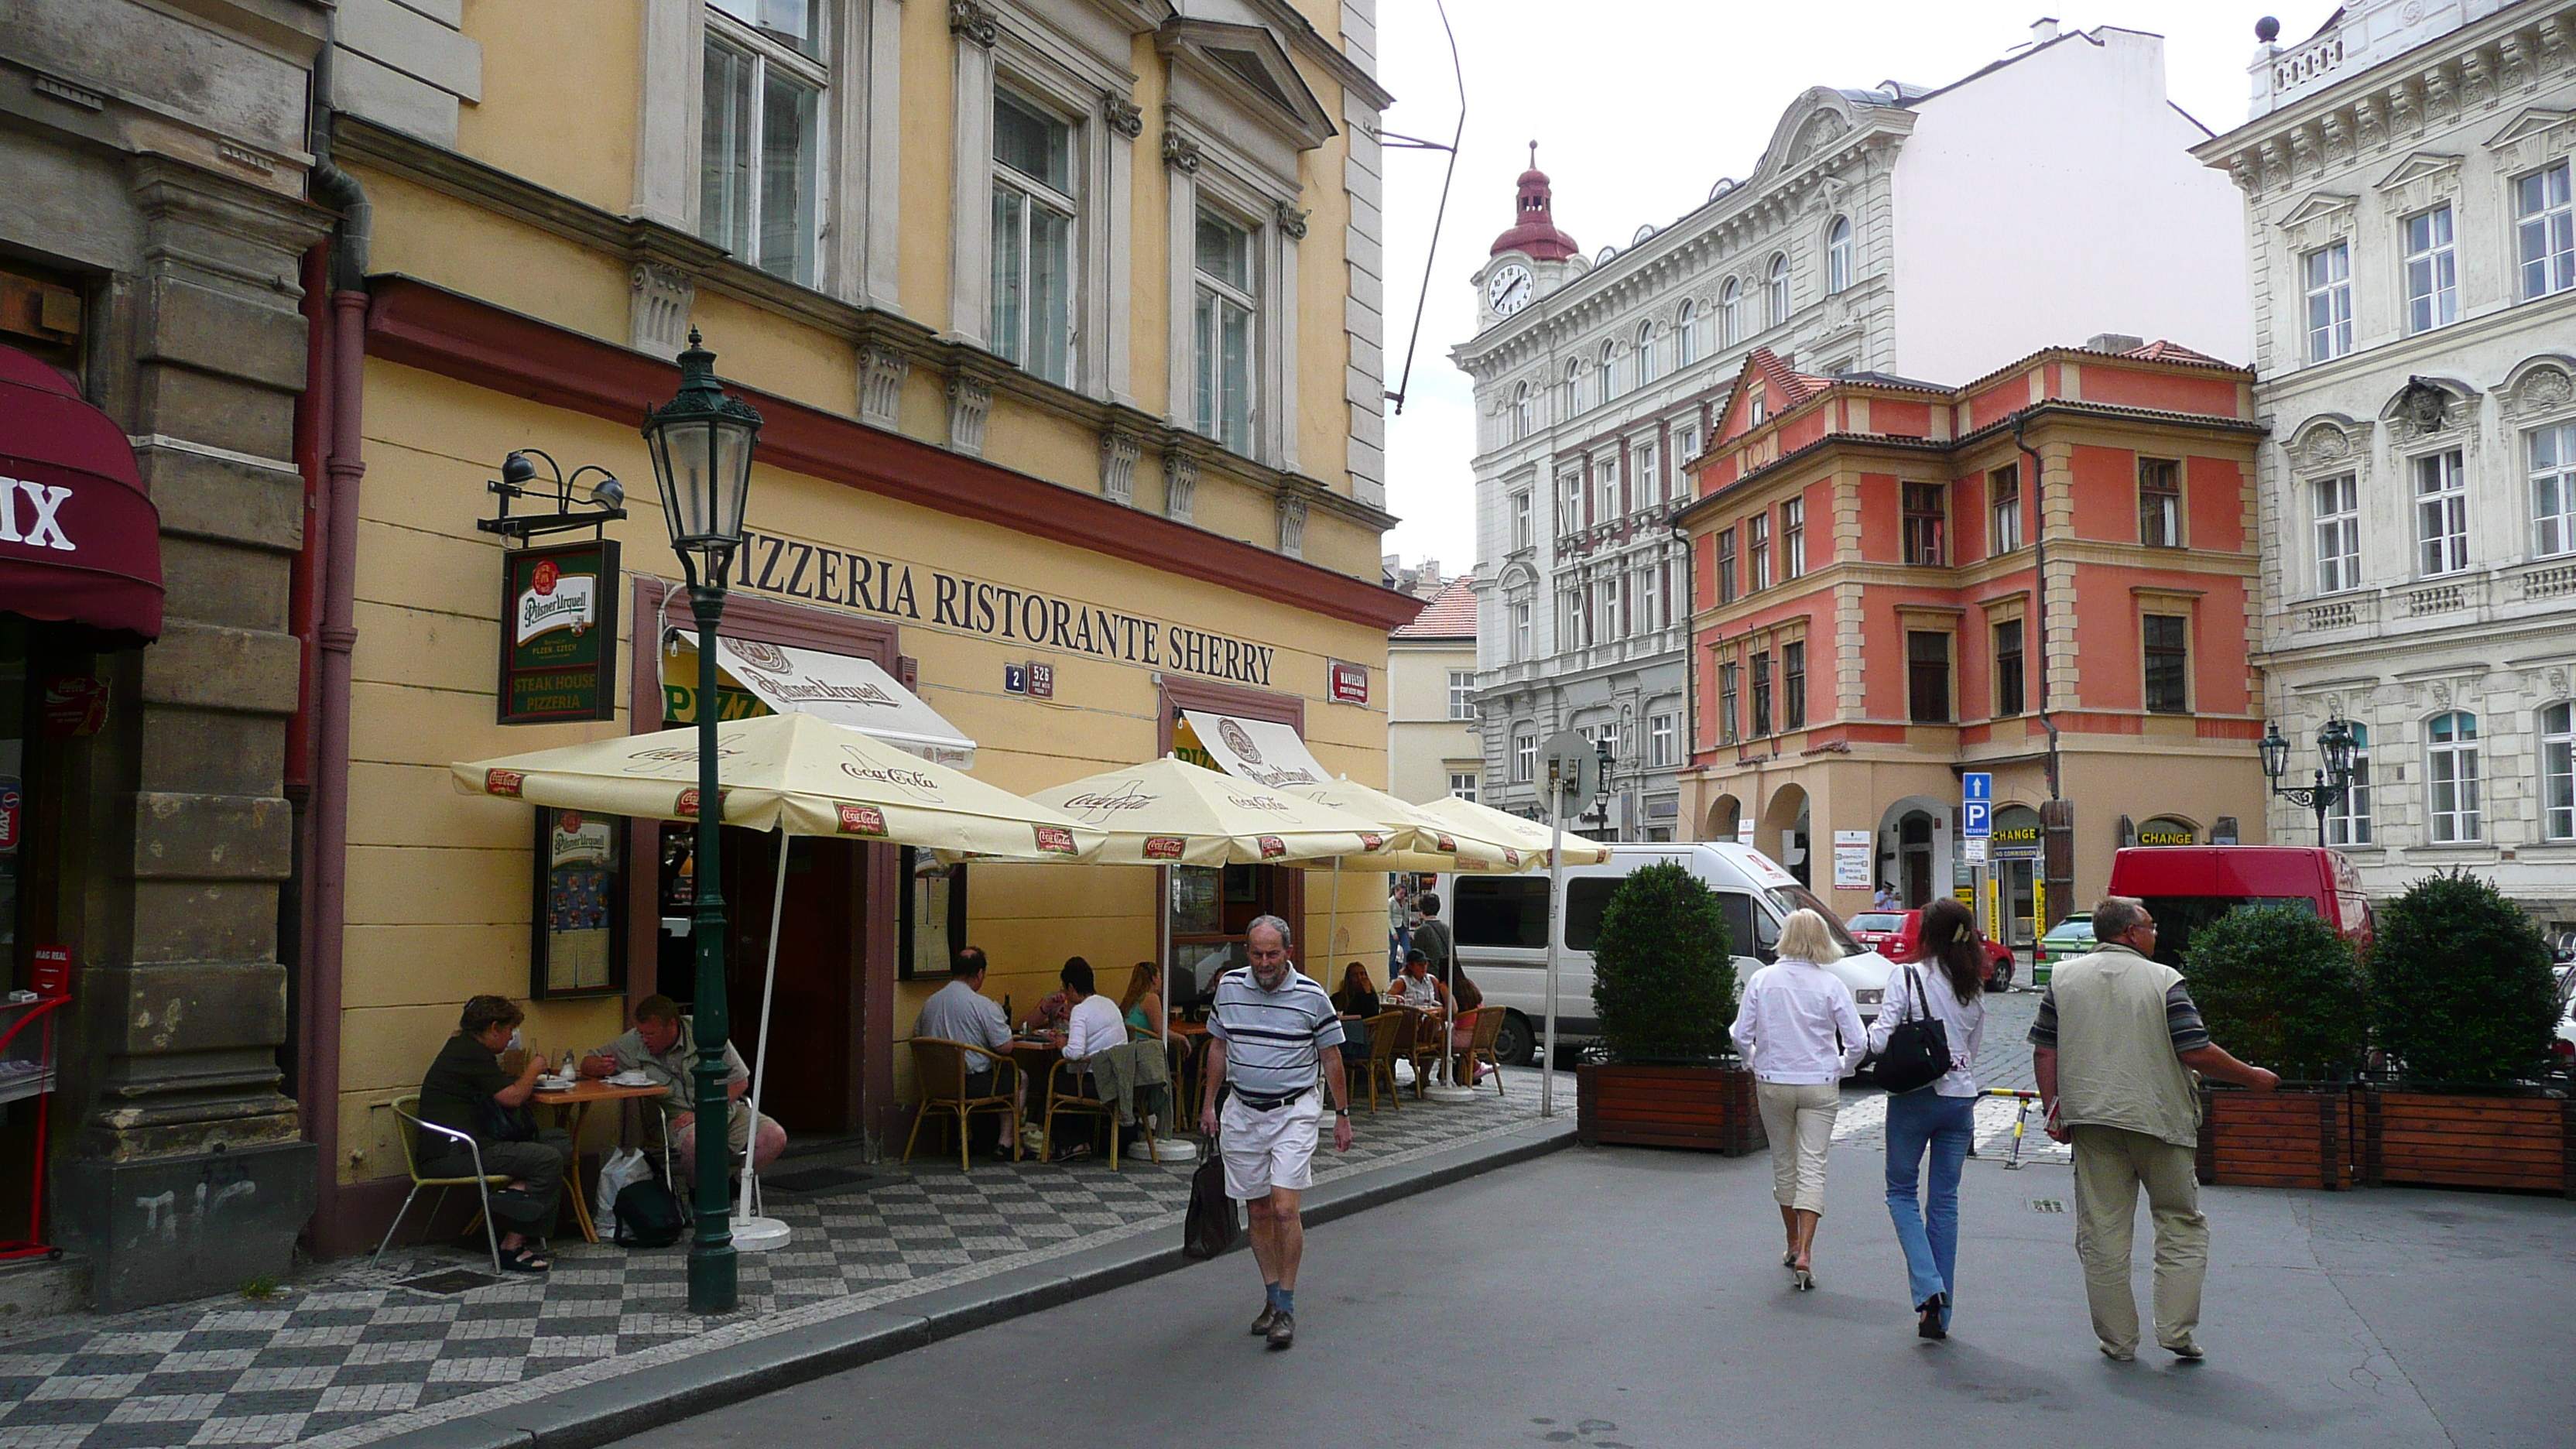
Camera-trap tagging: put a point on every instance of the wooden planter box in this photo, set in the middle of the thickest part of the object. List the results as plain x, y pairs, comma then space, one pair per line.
1708, 1108
2454, 1139
2295, 1138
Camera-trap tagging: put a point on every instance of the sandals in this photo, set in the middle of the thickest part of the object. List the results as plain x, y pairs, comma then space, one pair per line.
526, 1260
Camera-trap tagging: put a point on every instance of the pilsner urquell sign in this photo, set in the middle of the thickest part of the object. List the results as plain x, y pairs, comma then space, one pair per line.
559, 634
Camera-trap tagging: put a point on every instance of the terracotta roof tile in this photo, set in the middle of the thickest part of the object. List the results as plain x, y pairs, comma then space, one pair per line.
1451, 614
2163, 351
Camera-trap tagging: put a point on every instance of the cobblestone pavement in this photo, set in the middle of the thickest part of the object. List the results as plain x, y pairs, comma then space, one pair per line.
346, 1354
2003, 1061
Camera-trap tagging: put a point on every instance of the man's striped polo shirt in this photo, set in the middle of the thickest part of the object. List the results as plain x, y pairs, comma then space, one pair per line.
1274, 1040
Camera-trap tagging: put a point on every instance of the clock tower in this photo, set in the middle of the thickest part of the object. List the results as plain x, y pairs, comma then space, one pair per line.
1531, 257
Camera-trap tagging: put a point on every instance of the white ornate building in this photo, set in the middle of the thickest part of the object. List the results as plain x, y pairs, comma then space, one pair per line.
2406, 175
2046, 199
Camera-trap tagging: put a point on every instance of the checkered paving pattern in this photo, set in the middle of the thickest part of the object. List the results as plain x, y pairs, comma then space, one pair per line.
345, 1357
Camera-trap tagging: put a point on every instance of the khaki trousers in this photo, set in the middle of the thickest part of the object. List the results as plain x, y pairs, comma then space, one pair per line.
2111, 1164
1799, 1120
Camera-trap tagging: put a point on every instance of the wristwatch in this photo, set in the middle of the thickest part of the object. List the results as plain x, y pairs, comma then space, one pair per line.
1341, 1111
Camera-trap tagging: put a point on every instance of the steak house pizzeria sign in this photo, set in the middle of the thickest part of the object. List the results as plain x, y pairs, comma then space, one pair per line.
792, 569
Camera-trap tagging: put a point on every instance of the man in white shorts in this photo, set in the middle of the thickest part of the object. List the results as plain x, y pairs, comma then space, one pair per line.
1275, 1039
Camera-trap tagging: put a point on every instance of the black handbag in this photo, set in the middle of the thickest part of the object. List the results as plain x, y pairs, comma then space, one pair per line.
1209, 1228
1918, 1050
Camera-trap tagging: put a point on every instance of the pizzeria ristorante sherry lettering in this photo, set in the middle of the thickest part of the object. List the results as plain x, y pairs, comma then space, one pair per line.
793, 569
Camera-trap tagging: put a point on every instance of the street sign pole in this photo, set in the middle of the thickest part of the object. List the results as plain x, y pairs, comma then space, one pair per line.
1555, 893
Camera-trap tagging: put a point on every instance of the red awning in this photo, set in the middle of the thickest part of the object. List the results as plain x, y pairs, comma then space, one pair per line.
80, 541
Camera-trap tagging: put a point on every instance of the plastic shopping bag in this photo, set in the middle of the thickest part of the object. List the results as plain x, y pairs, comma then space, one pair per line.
624, 1166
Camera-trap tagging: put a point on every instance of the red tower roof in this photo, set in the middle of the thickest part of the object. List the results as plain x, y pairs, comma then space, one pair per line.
1534, 230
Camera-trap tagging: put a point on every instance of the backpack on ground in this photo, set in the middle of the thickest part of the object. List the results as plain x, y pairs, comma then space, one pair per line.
647, 1216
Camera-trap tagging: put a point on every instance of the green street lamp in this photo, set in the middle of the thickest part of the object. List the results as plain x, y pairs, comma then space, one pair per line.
702, 443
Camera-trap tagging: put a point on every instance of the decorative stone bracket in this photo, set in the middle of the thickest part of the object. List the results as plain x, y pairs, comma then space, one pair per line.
970, 405
659, 299
1119, 450
1180, 483
882, 372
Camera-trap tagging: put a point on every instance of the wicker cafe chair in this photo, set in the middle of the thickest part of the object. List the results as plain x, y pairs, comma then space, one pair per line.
1426, 1047
1073, 1103
1481, 1036
1390, 1035
940, 1065
409, 1127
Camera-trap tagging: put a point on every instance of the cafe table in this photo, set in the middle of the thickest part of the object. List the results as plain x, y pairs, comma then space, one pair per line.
572, 1105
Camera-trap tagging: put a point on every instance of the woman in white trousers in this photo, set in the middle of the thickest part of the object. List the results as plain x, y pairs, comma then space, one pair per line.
1798, 1029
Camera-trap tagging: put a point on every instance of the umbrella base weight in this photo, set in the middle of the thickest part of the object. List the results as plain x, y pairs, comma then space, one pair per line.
759, 1235
1166, 1150
1442, 1092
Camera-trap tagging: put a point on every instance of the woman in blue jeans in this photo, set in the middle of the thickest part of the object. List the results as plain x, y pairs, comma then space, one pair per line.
1947, 980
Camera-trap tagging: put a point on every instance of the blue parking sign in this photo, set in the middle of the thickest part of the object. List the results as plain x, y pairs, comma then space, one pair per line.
1976, 820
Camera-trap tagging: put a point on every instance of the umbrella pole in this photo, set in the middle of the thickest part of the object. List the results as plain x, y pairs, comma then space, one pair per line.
751, 1203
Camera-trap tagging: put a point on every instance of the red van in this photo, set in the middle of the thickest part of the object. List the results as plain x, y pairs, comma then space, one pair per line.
2188, 886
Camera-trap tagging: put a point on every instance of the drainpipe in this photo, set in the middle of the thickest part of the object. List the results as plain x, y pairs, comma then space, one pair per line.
335, 635
2039, 592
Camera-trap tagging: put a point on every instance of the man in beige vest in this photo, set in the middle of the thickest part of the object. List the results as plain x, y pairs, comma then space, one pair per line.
2114, 1047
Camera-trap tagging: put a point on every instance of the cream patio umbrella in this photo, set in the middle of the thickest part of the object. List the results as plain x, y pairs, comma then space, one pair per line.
1528, 836
797, 775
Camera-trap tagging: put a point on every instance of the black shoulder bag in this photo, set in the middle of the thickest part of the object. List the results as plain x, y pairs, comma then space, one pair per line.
1918, 1050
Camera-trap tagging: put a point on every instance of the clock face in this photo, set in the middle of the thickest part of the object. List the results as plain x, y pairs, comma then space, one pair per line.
1508, 290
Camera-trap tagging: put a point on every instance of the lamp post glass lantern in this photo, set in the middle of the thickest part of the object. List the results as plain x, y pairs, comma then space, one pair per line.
702, 443
2335, 747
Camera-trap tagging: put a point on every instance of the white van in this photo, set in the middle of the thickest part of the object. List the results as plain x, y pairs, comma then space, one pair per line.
1501, 925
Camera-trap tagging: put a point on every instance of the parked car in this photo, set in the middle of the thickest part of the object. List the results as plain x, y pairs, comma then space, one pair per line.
1898, 936
2186, 887
1503, 923
2065, 941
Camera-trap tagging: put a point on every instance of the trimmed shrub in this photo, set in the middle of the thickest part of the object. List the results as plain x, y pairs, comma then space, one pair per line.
2279, 988
1663, 971
2462, 983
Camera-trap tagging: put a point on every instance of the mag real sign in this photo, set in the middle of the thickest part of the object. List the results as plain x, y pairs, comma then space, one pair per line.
559, 634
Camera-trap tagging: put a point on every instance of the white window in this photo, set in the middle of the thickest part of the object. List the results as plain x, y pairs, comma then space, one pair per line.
2451, 770
1521, 409
2546, 225
1033, 230
1793, 539
2348, 819
1608, 472
1648, 477
1520, 630
1686, 334
2432, 271
1222, 330
1524, 757
1757, 552
1567, 403
1569, 504
1521, 520
2558, 772
2003, 510
2441, 515
1609, 370
1462, 784
1645, 353
2329, 291
2338, 534
758, 180
1569, 634
1650, 600
1685, 445
2552, 452
1661, 737
1462, 694
1775, 293
1730, 314
1838, 255
1612, 625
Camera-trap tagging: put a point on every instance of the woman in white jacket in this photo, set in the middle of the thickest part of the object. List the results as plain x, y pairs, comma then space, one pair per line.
1948, 982
1800, 1032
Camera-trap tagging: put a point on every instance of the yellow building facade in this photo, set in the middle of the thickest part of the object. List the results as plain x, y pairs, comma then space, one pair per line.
1062, 319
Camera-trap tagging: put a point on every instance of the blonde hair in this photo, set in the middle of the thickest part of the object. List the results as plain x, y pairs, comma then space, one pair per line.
1806, 937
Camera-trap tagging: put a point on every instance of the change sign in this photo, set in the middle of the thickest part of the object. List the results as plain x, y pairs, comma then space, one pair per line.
559, 634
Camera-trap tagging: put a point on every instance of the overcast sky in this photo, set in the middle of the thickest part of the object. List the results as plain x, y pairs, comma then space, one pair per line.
1638, 107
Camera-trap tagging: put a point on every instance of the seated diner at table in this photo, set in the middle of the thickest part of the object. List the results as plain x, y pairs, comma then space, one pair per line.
1143, 998
1358, 994
1462, 1032
466, 1091
1417, 990
1054, 1007
1092, 1026
665, 1049
961, 1012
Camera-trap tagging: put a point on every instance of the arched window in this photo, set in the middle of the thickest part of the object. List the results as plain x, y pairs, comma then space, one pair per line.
1567, 405
2348, 819
1686, 334
1645, 353
1730, 314
2451, 778
1520, 412
2558, 772
1838, 255
1775, 292
1609, 370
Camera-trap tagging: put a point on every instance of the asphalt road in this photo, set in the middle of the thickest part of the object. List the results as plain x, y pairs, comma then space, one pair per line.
1634, 1298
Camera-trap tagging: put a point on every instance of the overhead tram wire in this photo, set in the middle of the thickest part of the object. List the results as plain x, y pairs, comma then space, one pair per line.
1404, 383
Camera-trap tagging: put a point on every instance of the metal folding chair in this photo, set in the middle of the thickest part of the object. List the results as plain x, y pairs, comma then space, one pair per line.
407, 1108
